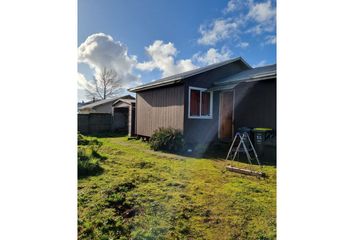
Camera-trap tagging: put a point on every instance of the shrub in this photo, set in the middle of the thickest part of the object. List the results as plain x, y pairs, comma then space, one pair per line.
167, 139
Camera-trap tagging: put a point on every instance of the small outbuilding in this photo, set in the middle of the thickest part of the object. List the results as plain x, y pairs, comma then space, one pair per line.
123, 115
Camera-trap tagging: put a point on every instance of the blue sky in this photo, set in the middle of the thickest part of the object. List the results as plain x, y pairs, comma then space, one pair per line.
147, 40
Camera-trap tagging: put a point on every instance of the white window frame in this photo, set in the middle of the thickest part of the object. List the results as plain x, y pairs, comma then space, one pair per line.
200, 104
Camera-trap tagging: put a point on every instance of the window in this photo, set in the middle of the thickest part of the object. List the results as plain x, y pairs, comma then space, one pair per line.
194, 102
200, 103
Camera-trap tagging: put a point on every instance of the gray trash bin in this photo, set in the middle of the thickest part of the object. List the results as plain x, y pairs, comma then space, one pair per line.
261, 135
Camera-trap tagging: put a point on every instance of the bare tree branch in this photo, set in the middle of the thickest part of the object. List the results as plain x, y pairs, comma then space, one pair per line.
107, 84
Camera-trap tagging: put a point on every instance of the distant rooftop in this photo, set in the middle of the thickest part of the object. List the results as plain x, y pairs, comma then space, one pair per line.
101, 102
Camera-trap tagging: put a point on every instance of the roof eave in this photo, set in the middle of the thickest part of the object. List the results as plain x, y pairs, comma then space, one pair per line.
162, 84
244, 62
231, 85
264, 77
261, 78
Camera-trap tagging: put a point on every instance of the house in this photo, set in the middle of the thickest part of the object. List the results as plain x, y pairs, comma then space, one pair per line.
209, 103
102, 106
82, 103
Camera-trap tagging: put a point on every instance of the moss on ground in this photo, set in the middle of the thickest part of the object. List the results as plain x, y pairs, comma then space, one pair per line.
143, 194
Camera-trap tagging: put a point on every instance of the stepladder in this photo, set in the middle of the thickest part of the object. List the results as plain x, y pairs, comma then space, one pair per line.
242, 144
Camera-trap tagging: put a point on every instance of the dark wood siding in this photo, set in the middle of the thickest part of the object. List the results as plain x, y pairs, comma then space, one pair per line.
225, 116
159, 107
255, 104
203, 131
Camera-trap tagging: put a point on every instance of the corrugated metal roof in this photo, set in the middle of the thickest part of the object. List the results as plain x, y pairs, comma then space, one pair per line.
101, 102
255, 74
251, 74
178, 77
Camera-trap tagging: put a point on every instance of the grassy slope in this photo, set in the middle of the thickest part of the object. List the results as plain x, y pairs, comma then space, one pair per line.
149, 195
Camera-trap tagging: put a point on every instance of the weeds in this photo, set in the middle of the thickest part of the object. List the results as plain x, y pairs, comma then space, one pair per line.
88, 158
146, 195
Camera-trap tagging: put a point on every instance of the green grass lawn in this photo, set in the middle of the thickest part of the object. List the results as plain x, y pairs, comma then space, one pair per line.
142, 194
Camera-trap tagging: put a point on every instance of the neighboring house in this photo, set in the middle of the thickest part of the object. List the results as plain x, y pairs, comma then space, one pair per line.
115, 114
82, 103
209, 103
102, 106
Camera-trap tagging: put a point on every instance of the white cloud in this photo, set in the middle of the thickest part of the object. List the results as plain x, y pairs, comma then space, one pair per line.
270, 39
100, 50
243, 44
163, 58
218, 30
83, 83
250, 17
231, 6
212, 56
235, 5
264, 15
261, 12
261, 28
260, 64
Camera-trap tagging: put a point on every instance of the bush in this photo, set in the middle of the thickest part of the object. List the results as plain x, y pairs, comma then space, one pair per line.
167, 139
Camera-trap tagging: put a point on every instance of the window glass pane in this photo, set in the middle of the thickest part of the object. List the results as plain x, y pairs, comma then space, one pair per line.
205, 103
195, 103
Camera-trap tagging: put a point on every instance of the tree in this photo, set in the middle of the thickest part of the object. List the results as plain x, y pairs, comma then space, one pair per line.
106, 84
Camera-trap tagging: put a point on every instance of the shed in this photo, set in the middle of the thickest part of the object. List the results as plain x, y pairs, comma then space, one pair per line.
123, 115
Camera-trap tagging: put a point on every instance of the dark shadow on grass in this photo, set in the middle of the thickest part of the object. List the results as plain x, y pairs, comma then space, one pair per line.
95, 154
108, 134
218, 151
85, 173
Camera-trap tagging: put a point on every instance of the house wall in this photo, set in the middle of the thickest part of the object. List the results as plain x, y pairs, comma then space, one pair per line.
255, 104
204, 131
159, 107
104, 108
